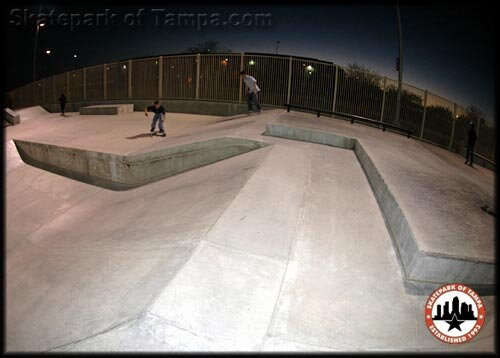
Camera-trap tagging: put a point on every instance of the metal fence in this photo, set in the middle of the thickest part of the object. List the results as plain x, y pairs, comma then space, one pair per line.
282, 79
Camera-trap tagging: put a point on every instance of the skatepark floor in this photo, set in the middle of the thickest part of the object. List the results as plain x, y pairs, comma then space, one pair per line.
280, 249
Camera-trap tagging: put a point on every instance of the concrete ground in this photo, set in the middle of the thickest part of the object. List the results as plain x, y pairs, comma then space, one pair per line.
280, 249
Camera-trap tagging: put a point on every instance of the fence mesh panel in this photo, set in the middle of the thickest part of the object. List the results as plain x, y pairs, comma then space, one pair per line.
312, 84
438, 120
117, 80
94, 83
61, 82
145, 78
76, 85
219, 77
271, 74
179, 77
486, 140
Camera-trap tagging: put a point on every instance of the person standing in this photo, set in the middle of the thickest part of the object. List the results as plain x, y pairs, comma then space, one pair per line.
62, 103
471, 142
159, 116
252, 92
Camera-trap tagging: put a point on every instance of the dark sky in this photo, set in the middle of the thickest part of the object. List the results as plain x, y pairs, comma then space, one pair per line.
448, 50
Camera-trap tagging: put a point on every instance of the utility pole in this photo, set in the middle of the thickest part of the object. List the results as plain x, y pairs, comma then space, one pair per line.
399, 68
277, 45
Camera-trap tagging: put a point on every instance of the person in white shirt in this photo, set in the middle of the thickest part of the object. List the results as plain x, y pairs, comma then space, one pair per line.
252, 92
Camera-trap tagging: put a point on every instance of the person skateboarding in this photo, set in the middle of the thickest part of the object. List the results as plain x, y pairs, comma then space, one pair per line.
252, 92
62, 103
471, 142
159, 116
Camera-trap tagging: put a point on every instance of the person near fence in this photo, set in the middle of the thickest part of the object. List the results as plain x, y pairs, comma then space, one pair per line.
471, 142
62, 103
252, 92
159, 116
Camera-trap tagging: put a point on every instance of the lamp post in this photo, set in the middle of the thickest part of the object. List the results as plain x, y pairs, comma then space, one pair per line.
75, 56
277, 45
399, 68
38, 26
49, 63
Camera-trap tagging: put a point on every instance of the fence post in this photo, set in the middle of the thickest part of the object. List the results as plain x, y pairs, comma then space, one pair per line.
478, 125
129, 78
67, 86
198, 63
453, 126
335, 88
241, 79
84, 83
423, 117
54, 97
105, 81
160, 77
289, 81
383, 100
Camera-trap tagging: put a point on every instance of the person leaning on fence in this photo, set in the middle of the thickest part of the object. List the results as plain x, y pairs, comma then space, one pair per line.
252, 92
159, 116
62, 103
471, 142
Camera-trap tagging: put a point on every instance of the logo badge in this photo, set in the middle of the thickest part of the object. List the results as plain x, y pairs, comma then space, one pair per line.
454, 313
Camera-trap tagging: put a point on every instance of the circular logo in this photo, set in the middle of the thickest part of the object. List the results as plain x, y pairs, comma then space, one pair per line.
454, 313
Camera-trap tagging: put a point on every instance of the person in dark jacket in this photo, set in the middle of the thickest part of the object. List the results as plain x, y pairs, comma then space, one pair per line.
159, 116
471, 142
62, 102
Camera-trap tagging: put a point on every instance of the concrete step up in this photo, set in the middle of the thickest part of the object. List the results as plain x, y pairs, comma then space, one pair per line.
424, 269
107, 109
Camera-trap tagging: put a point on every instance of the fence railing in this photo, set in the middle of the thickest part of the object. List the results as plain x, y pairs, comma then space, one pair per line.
282, 79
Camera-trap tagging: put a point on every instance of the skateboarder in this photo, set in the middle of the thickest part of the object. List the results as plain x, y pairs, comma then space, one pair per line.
159, 116
252, 92
471, 142
62, 102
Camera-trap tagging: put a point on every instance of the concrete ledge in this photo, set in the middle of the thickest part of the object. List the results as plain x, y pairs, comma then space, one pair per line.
107, 109
12, 117
211, 108
121, 172
423, 271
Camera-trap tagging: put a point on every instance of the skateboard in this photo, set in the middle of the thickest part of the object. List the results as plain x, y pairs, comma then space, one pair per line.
155, 133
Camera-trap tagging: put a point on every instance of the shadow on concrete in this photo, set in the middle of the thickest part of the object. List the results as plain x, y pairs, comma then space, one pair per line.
142, 135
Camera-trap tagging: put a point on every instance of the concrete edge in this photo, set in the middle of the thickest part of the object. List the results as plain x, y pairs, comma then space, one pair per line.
402, 237
121, 172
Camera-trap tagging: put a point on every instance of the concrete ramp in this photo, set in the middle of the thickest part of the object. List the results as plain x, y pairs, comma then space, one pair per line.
29, 113
121, 172
424, 268
107, 109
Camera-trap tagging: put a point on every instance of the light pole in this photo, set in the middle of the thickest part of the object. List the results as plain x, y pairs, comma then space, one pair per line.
277, 45
49, 63
399, 68
76, 59
38, 26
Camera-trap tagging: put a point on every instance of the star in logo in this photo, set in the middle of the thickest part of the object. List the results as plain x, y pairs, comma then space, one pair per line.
454, 323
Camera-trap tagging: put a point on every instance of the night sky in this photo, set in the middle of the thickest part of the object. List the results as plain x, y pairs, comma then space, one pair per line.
448, 50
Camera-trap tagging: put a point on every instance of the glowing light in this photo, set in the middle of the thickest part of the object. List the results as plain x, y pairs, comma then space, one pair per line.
75, 56
309, 69
251, 62
47, 52
124, 67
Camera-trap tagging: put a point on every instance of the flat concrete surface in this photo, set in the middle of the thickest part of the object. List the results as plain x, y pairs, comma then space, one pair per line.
441, 196
280, 249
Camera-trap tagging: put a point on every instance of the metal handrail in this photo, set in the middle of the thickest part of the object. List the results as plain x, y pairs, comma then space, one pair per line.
353, 118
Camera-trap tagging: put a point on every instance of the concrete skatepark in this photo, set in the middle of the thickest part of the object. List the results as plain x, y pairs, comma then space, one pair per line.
288, 247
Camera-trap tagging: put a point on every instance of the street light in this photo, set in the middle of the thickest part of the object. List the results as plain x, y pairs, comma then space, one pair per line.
49, 63
277, 45
38, 26
76, 59
399, 68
